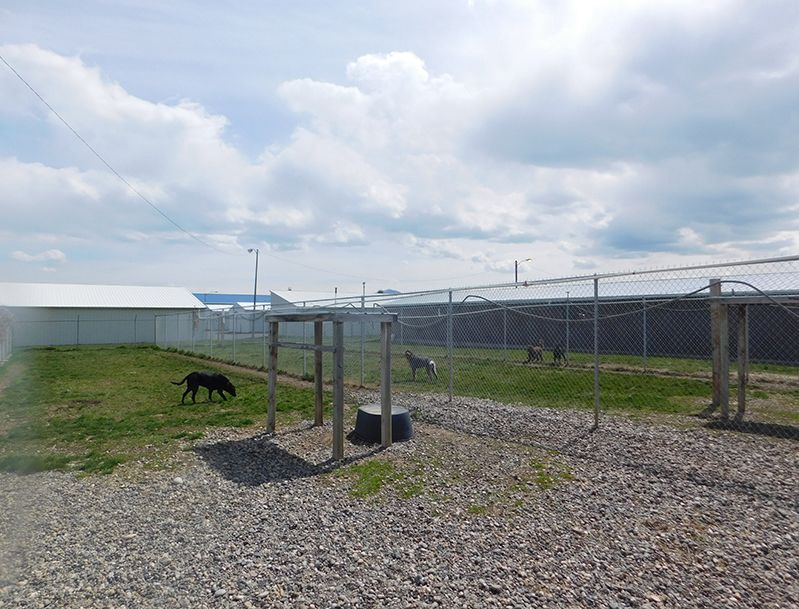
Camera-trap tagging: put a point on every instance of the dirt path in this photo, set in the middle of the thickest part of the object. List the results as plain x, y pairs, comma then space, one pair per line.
252, 372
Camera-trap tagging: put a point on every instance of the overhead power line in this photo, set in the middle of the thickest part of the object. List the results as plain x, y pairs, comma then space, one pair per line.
107, 164
173, 222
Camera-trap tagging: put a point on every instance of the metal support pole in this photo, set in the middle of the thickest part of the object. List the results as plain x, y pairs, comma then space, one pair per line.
449, 344
338, 390
317, 362
263, 337
643, 300
235, 326
134, 329
77, 330
363, 310
743, 360
504, 334
304, 352
596, 353
270, 412
567, 326
385, 384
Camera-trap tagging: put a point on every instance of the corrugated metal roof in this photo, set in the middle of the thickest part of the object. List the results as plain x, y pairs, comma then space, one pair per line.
80, 296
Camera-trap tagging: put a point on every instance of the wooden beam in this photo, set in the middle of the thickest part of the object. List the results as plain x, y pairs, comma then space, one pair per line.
743, 360
270, 410
385, 385
317, 372
721, 352
338, 390
304, 347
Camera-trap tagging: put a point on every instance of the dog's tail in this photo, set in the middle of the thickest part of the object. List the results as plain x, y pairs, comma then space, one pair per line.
433, 369
181, 382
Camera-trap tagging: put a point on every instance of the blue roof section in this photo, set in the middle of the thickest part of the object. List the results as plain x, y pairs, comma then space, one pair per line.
215, 298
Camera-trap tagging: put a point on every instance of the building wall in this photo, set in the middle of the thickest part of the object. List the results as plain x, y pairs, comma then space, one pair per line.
67, 326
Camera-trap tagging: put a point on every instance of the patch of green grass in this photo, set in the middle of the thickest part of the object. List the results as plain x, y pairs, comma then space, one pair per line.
31, 464
91, 408
369, 478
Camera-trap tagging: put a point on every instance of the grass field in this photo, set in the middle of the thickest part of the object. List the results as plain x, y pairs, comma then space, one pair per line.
628, 383
92, 408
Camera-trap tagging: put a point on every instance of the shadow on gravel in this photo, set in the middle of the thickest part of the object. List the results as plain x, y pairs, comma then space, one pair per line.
774, 430
257, 460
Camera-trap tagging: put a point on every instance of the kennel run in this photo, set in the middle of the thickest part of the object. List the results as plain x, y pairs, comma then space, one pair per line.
338, 318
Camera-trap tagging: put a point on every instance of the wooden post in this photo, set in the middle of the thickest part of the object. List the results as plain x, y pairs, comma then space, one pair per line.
317, 371
385, 384
721, 352
743, 360
338, 390
270, 411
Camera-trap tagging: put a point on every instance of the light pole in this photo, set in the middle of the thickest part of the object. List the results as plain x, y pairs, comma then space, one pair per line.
516, 269
255, 287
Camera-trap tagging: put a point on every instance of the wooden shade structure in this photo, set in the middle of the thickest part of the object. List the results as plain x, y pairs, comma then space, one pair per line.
337, 317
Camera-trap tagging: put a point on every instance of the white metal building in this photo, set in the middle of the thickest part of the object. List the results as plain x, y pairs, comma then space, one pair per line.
64, 314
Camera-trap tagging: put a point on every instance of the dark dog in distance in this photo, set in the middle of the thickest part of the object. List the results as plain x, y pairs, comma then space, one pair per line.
535, 353
417, 361
559, 356
213, 381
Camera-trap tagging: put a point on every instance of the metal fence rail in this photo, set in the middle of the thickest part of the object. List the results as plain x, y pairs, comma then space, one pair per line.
639, 342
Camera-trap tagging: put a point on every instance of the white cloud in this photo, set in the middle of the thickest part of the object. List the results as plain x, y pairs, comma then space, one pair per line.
591, 133
48, 255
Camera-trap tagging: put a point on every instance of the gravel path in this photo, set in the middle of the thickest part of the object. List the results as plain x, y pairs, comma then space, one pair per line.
476, 511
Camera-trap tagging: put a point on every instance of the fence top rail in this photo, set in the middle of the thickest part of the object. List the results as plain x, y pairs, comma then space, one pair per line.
572, 279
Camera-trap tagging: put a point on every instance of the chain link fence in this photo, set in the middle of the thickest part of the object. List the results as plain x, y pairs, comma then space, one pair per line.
6, 336
640, 343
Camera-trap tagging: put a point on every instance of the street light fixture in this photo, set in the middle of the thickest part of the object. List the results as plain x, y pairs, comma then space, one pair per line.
255, 287
516, 264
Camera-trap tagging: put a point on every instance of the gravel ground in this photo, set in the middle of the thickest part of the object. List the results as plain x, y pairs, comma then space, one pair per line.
489, 506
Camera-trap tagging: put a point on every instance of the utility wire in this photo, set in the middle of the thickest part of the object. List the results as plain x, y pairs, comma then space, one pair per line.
170, 220
106, 163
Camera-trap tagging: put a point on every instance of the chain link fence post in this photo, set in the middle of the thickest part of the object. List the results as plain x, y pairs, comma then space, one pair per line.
449, 344
304, 351
263, 338
643, 324
363, 310
596, 352
504, 333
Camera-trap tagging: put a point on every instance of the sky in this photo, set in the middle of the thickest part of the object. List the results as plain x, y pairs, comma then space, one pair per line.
408, 145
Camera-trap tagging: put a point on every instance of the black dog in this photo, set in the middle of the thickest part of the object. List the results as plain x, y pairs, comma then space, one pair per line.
416, 361
559, 356
213, 381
